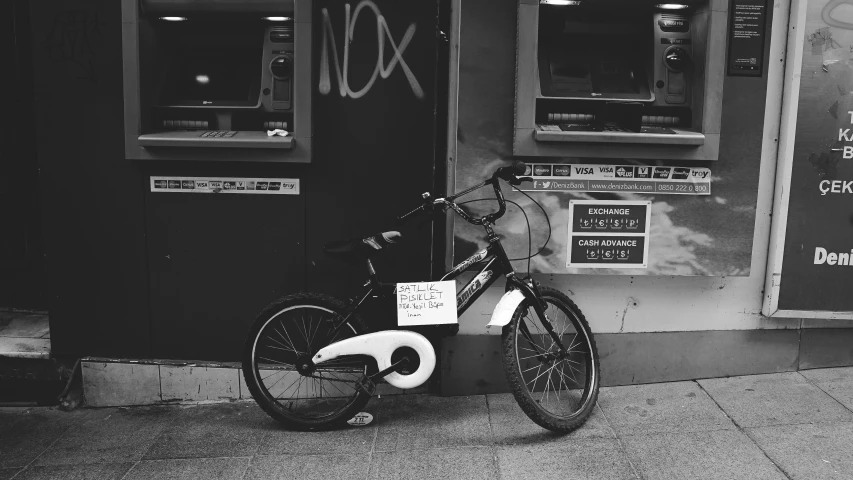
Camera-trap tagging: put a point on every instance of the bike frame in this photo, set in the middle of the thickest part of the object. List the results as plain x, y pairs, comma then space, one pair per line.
495, 263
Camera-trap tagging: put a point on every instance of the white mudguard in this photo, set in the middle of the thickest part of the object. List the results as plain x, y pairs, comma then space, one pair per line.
380, 345
502, 313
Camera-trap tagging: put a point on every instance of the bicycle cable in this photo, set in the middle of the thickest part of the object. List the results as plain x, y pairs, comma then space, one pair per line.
527, 220
529, 236
547, 220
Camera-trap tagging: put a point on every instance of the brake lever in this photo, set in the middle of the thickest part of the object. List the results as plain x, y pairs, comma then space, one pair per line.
519, 180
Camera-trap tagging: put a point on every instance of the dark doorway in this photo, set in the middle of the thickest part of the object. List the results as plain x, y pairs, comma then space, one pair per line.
23, 282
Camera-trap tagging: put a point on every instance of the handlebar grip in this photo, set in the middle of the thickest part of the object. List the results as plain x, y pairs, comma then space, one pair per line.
510, 173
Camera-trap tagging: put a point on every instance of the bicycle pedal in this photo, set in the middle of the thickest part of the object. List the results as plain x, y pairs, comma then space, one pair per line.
366, 385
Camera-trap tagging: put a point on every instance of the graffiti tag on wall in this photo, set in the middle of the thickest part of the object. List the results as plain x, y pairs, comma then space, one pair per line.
381, 70
74, 39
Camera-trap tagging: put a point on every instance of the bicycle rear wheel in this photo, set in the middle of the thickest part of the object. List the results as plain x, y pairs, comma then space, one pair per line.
282, 340
557, 392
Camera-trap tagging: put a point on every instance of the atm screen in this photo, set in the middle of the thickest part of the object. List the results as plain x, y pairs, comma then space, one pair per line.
207, 71
599, 65
219, 76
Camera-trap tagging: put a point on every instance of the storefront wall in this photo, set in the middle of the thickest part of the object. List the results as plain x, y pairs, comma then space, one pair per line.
696, 312
138, 274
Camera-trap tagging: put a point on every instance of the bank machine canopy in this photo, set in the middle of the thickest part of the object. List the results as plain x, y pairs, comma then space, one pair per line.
620, 78
218, 79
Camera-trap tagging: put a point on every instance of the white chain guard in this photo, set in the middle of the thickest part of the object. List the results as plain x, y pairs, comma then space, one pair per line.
502, 314
380, 345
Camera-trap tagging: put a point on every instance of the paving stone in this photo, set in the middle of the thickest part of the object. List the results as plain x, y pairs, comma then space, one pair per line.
586, 459
809, 451
25, 347
26, 433
346, 440
311, 467
414, 422
114, 435
245, 394
510, 425
774, 399
7, 473
189, 469
837, 382
186, 383
220, 430
457, 463
661, 407
97, 471
115, 384
28, 326
718, 454
6, 317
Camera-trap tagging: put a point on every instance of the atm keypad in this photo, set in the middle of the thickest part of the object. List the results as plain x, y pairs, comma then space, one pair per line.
218, 134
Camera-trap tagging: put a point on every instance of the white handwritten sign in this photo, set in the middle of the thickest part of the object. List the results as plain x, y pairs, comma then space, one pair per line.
426, 303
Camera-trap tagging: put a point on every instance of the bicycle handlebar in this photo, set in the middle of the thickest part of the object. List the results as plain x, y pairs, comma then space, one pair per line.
509, 174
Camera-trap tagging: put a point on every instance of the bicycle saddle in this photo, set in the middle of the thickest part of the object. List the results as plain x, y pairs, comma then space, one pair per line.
360, 248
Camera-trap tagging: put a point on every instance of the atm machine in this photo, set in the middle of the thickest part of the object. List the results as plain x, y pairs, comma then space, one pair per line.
620, 78
218, 80
218, 125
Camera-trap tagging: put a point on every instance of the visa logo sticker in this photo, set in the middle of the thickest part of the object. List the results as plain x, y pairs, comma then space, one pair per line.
606, 172
644, 172
201, 184
583, 171
216, 185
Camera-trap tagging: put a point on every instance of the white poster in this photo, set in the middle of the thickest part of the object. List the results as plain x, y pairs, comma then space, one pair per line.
426, 303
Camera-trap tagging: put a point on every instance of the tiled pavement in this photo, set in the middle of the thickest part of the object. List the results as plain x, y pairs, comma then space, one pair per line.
24, 335
778, 426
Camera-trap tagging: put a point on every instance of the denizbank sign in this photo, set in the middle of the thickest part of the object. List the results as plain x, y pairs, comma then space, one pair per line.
821, 256
816, 274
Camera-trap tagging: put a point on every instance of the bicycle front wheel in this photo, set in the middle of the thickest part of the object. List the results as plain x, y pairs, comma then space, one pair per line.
281, 342
557, 391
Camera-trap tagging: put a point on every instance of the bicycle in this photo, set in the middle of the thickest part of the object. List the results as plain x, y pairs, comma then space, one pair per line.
316, 347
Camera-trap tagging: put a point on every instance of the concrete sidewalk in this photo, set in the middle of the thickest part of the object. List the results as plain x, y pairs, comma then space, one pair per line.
796, 425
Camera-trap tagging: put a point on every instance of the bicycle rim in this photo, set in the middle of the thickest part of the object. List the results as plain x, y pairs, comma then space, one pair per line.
562, 389
287, 339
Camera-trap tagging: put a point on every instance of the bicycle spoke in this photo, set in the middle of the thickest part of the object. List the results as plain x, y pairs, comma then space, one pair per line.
288, 335
282, 337
276, 383
274, 373
275, 361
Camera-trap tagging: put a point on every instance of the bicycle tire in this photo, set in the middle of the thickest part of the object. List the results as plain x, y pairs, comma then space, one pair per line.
314, 303
515, 364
